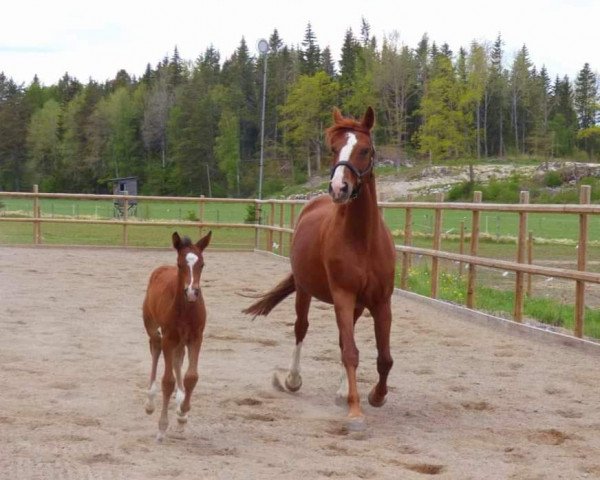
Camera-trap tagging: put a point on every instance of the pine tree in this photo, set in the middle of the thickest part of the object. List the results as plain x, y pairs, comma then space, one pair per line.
311, 54
586, 97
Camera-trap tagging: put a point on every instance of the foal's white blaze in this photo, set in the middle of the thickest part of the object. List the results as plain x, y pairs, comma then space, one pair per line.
337, 182
191, 259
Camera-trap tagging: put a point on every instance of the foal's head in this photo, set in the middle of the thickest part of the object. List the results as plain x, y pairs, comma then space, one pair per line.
353, 154
190, 263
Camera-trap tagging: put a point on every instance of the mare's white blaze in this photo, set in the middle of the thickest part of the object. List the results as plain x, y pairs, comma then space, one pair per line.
191, 259
337, 182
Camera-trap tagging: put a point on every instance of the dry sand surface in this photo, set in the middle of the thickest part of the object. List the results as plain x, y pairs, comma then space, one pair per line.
466, 401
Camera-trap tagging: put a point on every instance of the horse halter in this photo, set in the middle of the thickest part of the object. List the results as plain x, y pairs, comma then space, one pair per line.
357, 173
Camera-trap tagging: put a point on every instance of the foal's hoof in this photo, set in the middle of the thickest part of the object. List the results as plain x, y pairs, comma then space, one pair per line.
182, 418
160, 437
374, 401
149, 408
356, 424
293, 385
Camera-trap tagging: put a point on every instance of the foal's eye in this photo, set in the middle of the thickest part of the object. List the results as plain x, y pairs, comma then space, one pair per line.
364, 151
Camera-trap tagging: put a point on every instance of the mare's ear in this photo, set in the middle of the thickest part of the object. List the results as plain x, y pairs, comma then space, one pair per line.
337, 115
176, 240
368, 119
204, 241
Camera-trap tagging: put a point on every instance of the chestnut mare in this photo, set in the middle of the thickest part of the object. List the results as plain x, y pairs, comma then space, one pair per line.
174, 317
343, 253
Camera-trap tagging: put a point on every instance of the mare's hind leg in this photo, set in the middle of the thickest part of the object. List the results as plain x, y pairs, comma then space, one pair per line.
155, 341
382, 317
293, 381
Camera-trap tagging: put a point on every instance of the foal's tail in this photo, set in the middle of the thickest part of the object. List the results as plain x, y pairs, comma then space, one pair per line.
269, 300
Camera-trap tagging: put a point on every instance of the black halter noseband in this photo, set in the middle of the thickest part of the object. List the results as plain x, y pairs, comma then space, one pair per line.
357, 173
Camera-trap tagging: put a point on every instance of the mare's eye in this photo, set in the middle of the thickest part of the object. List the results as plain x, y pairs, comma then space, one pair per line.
364, 151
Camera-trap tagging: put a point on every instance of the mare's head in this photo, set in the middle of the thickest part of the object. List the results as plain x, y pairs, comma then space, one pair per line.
353, 154
190, 263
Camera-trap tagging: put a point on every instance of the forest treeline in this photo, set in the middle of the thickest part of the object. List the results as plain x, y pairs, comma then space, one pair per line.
193, 127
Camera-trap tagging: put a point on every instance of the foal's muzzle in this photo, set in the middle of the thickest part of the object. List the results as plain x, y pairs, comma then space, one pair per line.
192, 294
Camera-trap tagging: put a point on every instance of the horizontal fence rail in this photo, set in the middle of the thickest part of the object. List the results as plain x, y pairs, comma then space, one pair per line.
271, 225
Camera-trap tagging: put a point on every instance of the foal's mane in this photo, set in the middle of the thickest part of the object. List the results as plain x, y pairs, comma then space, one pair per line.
343, 126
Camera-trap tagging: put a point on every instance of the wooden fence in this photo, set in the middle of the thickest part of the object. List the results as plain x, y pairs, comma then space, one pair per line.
275, 220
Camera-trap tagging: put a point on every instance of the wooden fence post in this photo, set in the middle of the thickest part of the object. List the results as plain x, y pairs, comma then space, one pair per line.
37, 234
521, 249
474, 247
200, 214
271, 223
437, 243
585, 195
257, 220
407, 242
521, 258
281, 211
529, 261
125, 218
461, 247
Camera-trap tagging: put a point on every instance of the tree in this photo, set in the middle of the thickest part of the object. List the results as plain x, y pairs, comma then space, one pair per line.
227, 150
396, 82
446, 124
311, 54
43, 147
563, 119
305, 113
586, 99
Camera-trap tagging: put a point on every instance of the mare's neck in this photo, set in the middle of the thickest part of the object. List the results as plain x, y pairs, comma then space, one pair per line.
361, 215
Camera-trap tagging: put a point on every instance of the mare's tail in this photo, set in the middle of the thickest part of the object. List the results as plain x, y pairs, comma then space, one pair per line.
269, 300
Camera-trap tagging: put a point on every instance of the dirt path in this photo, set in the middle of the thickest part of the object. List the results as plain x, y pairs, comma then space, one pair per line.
466, 402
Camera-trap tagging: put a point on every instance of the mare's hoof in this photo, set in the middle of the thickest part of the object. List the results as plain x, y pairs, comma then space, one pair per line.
356, 424
149, 409
374, 402
160, 437
291, 387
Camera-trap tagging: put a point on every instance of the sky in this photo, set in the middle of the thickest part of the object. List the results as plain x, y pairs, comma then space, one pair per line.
94, 40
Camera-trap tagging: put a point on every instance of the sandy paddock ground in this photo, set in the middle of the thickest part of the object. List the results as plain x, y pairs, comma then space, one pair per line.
466, 401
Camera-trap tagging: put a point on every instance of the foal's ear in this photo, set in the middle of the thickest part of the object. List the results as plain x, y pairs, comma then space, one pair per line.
368, 119
204, 241
337, 115
176, 240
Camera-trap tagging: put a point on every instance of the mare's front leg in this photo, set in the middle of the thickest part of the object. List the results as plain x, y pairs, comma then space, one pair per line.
382, 320
190, 380
344, 304
169, 345
293, 380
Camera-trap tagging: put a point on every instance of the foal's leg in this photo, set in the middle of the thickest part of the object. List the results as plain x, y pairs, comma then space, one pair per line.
168, 385
293, 381
344, 304
190, 380
155, 341
382, 318
177, 364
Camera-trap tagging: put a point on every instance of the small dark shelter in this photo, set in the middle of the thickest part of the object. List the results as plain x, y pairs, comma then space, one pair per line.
124, 186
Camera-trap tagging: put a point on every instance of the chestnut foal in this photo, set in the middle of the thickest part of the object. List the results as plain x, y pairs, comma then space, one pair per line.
174, 317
